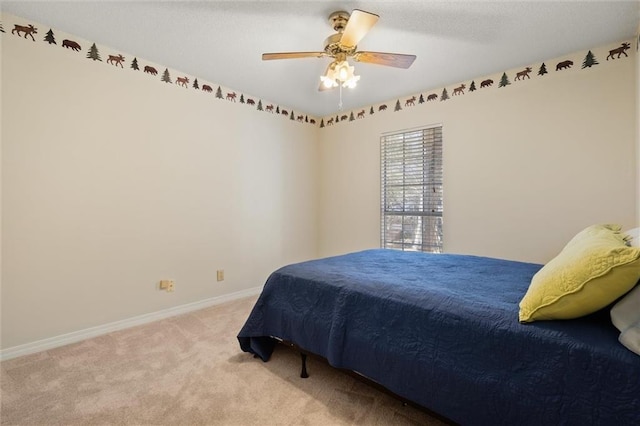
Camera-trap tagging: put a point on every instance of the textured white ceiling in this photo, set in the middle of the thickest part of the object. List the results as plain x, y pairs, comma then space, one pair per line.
222, 41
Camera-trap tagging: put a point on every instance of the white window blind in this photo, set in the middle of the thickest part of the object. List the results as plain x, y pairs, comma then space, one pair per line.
411, 184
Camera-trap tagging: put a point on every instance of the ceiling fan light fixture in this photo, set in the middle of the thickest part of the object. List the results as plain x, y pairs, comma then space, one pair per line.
344, 71
351, 83
328, 82
340, 72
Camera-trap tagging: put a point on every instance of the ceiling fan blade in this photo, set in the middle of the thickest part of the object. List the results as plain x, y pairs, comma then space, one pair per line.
292, 55
397, 60
359, 24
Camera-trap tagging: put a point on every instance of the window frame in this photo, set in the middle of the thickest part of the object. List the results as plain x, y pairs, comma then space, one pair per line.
418, 217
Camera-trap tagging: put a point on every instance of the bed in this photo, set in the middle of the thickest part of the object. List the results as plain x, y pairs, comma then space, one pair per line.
442, 330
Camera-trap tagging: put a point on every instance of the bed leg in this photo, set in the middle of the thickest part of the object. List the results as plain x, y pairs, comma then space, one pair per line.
304, 373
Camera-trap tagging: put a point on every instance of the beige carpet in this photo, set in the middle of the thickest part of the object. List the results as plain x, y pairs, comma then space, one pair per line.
187, 370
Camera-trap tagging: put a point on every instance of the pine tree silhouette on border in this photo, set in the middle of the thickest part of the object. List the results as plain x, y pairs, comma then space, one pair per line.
589, 60
278, 109
472, 87
165, 76
322, 123
219, 93
241, 98
195, 84
445, 95
543, 69
291, 116
306, 118
259, 108
50, 37
397, 107
421, 99
504, 80
371, 111
134, 64
93, 53
351, 117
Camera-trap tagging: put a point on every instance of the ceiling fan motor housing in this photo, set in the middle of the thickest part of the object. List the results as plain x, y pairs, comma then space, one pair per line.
333, 47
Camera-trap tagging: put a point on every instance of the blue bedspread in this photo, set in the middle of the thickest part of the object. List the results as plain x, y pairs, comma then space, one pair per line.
442, 330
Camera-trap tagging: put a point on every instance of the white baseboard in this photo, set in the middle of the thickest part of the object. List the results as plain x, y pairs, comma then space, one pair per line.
76, 336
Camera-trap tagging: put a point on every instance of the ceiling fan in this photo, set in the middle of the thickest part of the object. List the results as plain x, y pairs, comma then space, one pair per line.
350, 29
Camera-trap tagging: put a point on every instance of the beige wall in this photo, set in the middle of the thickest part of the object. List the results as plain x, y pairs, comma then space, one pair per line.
525, 166
113, 180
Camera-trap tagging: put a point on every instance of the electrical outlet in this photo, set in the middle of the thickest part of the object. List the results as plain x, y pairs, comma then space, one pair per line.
167, 285
220, 275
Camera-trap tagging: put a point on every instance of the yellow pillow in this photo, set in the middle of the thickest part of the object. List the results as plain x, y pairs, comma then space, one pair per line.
593, 270
594, 231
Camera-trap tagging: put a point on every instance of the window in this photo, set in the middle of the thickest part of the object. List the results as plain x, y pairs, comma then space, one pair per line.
411, 185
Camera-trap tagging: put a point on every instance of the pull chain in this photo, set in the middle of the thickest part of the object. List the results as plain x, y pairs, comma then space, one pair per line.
340, 103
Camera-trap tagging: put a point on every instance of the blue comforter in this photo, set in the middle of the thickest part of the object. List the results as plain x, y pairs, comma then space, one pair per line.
442, 330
